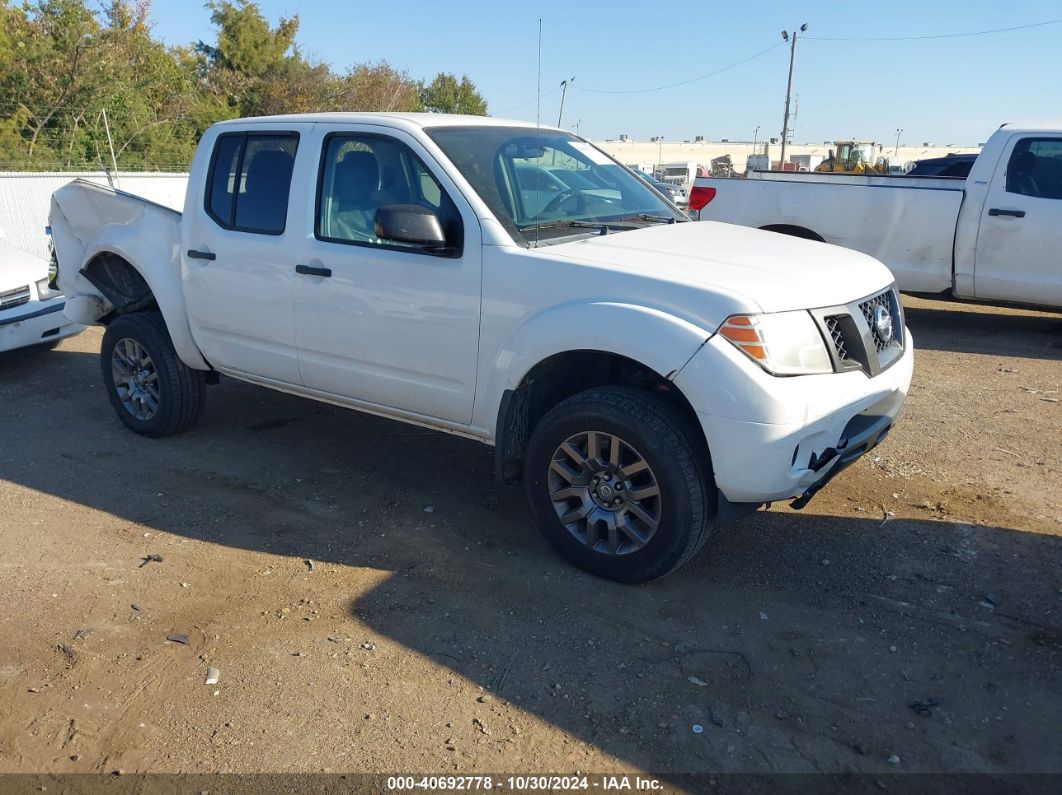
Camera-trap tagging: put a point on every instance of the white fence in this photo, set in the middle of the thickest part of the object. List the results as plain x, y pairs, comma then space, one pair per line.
25, 198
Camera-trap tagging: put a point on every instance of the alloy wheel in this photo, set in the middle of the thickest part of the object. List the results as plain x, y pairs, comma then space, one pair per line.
604, 492
135, 378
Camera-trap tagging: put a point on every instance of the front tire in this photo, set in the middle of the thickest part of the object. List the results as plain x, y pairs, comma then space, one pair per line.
619, 483
153, 392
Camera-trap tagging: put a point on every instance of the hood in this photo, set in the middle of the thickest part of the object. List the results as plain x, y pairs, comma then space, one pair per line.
772, 271
19, 268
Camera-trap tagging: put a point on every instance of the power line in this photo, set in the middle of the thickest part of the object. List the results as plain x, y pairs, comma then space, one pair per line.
939, 35
525, 104
682, 82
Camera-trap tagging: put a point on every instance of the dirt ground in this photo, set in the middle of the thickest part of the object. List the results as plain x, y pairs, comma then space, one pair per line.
375, 603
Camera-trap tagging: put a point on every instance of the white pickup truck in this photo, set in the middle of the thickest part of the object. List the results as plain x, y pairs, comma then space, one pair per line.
646, 378
994, 237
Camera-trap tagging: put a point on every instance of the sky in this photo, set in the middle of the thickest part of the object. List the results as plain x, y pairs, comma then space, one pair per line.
944, 90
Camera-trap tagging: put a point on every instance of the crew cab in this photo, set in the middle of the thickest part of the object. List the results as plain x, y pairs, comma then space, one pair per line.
645, 377
993, 237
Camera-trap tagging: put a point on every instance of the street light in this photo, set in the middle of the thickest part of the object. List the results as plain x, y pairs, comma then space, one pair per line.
789, 87
755, 138
896, 151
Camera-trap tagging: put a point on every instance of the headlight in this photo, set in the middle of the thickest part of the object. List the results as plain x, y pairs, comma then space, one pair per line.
44, 292
783, 343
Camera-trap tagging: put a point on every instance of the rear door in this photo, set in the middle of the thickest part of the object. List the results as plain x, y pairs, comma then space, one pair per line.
1020, 233
376, 322
238, 249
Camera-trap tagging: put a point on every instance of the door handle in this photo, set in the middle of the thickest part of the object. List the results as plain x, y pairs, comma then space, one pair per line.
209, 255
1011, 213
313, 270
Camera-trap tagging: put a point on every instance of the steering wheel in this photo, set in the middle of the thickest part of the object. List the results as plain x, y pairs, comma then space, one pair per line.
562, 197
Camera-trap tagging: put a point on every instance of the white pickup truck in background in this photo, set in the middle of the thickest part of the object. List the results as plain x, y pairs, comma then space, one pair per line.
646, 377
994, 237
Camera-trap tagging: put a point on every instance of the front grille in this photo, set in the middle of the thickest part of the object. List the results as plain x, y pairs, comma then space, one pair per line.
868, 308
16, 297
854, 342
833, 326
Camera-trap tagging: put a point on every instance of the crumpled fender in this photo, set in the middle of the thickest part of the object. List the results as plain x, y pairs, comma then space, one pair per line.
88, 220
651, 337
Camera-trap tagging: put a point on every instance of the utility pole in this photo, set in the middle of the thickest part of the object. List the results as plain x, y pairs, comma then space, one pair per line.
789, 87
896, 151
564, 91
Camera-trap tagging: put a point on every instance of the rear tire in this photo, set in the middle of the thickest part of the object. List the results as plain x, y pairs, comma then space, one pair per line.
619, 484
153, 392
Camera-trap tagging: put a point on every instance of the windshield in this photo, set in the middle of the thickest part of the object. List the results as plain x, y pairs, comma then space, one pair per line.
545, 184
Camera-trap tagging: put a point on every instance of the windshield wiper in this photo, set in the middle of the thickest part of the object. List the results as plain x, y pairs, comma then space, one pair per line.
654, 219
601, 227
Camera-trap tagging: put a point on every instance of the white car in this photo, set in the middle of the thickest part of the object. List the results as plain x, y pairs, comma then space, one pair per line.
31, 313
646, 378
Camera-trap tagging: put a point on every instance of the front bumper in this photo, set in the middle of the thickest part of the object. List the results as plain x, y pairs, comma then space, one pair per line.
35, 323
775, 438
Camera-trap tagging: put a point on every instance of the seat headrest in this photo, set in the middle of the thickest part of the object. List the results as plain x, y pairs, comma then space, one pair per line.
1025, 163
269, 170
357, 176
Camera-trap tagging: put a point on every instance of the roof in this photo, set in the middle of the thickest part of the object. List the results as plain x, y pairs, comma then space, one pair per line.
1035, 126
388, 119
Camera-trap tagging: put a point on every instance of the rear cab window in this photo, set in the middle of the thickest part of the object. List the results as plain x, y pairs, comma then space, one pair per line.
250, 181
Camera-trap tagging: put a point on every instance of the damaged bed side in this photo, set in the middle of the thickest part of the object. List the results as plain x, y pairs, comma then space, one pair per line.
120, 253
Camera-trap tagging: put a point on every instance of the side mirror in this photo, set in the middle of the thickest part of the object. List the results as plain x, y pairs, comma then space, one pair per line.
410, 224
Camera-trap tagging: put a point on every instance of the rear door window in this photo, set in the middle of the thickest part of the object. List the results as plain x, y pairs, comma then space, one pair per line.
250, 180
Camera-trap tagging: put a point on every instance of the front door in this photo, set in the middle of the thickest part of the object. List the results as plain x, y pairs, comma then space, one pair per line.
1018, 241
386, 324
238, 251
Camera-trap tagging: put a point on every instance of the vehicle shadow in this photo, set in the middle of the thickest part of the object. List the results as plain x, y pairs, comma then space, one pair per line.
962, 328
794, 642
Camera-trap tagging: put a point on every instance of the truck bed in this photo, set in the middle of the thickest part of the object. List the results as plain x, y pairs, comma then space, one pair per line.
94, 226
908, 223
82, 212
876, 180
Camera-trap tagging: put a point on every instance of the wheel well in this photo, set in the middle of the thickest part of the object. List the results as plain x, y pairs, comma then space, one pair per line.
793, 231
120, 283
558, 378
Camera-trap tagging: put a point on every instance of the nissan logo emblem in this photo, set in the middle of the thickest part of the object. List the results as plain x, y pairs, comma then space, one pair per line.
883, 323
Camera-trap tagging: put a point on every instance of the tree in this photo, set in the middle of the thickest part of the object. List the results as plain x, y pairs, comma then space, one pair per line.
446, 95
69, 65
249, 57
260, 70
154, 93
52, 75
378, 86
246, 44
64, 63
